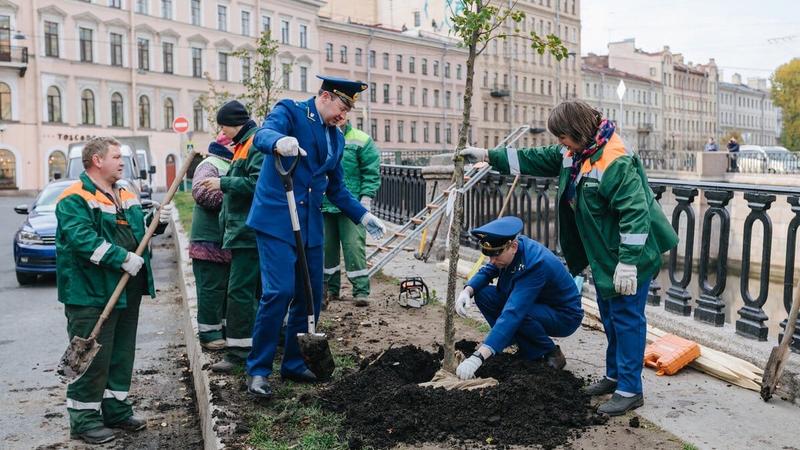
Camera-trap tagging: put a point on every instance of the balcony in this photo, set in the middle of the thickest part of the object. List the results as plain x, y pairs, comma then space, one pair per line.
500, 91
14, 58
645, 128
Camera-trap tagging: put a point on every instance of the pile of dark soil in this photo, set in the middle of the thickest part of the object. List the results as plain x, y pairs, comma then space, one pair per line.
532, 404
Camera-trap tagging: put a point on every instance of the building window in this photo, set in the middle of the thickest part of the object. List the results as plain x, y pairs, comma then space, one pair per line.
287, 71
117, 113
5, 102
399, 96
437, 133
223, 66
197, 116
401, 131
166, 9
284, 31
116, 49
343, 54
143, 50
197, 62
304, 79
358, 56
51, 39
144, 112
372, 58
329, 52
222, 17
373, 128
413, 131
458, 71
245, 68
141, 6
424, 97
424, 66
373, 93
426, 134
386, 61
168, 49
360, 123
245, 23
266, 24
412, 96
447, 70
436, 68
486, 111
399, 64
53, 104
447, 96
411, 64
196, 14
387, 130
87, 107
169, 113
115, 3
448, 133
385, 93
303, 36
86, 44
417, 21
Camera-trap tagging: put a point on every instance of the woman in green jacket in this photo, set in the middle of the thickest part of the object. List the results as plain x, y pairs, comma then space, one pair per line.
608, 220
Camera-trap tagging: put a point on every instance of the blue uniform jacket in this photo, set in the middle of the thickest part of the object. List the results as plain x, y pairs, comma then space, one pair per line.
317, 174
535, 275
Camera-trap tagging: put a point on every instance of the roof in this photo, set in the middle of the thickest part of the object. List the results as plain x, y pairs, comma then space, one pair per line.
616, 73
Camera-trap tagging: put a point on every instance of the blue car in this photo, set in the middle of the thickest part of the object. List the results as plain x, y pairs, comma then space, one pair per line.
35, 241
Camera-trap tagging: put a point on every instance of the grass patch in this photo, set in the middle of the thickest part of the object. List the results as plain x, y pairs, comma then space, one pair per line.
185, 204
290, 425
687, 446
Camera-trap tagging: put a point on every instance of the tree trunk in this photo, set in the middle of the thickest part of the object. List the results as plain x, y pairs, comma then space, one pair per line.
449, 362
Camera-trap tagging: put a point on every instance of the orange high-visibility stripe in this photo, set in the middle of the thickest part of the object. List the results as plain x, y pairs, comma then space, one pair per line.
613, 149
240, 151
77, 188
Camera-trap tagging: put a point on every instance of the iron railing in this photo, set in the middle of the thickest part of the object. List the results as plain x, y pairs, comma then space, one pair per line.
768, 163
409, 157
666, 160
534, 200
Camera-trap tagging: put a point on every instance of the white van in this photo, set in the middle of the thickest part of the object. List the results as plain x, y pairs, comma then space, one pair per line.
131, 171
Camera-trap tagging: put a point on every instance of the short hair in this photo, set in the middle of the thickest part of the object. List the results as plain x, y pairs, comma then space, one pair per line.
575, 119
96, 146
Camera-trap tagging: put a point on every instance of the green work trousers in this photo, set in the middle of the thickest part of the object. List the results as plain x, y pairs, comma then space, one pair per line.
341, 231
244, 291
211, 282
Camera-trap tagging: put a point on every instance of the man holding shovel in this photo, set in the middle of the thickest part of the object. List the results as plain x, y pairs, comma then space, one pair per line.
99, 227
303, 139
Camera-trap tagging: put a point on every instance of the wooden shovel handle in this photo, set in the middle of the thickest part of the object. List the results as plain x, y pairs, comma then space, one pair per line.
151, 229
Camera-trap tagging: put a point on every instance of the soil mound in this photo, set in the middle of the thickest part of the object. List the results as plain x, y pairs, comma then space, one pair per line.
532, 405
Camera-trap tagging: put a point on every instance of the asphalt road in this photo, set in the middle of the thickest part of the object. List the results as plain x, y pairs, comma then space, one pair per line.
33, 337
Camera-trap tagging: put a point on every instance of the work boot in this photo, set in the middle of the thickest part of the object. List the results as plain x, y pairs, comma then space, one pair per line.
225, 365
97, 435
258, 387
619, 405
361, 301
305, 376
132, 423
216, 344
602, 387
555, 359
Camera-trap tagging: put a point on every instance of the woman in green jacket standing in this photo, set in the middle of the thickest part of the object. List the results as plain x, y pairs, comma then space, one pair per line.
608, 220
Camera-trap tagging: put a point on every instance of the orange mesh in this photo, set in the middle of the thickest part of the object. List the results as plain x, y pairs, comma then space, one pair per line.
669, 354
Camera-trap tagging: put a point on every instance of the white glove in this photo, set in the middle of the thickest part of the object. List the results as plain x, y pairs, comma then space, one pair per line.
133, 263
625, 279
475, 154
464, 301
466, 370
366, 202
374, 226
288, 146
165, 213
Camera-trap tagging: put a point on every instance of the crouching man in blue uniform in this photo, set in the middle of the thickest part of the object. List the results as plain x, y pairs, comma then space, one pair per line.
308, 130
535, 297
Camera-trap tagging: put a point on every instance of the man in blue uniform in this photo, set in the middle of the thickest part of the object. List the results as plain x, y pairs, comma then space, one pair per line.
307, 130
535, 297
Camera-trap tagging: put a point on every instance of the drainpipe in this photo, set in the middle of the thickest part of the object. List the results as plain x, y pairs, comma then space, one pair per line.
368, 121
37, 81
132, 48
444, 105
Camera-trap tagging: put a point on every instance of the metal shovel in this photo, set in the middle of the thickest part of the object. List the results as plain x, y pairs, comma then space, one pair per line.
313, 346
81, 351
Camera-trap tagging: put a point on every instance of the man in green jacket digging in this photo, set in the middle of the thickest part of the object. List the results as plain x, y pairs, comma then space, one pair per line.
99, 227
361, 164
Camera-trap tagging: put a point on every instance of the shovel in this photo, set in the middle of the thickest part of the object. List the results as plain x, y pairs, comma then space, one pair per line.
313, 346
777, 359
81, 351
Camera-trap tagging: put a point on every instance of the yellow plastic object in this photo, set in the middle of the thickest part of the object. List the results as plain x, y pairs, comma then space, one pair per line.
669, 354
475, 267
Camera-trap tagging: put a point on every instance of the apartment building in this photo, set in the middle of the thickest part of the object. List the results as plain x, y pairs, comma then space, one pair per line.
84, 68
416, 83
747, 108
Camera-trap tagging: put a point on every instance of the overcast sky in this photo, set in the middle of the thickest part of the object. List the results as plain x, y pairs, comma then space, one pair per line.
752, 38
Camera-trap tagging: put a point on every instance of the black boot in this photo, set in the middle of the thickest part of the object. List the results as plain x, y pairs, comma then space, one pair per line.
258, 386
555, 358
602, 387
132, 423
97, 435
619, 405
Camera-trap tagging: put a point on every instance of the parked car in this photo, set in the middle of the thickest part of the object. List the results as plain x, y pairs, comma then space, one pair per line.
781, 160
35, 240
751, 159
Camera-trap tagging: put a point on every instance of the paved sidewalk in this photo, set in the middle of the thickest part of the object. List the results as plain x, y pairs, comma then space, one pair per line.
697, 408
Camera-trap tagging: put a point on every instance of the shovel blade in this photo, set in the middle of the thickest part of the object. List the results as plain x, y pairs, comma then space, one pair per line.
77, 358
317, 354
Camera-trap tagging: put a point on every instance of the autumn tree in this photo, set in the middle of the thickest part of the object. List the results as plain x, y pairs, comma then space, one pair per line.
786, 94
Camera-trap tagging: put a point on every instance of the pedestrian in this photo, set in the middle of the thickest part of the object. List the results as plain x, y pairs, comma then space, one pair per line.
210, 262
711, 145
362, 177
238, 187
535, 297
100, 224
307, 130
733, 154
608, 220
